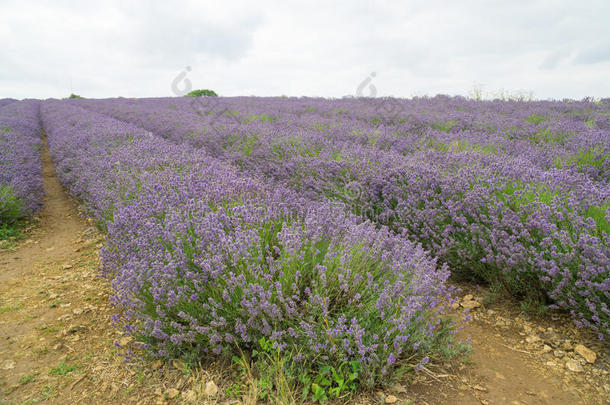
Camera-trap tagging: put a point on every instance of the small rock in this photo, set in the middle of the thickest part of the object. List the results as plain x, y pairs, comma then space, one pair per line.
551, 364
586, 353
559, 353
574, 366
157, 364
58, 346
532, 339
124, 341
75, 328
66, 266
479, 388
8, 364
53, 296
567, 346
179, 364
77, 311
210, 389
470, 304
391, 399
490, 312
400, 389
468, 297
172, 393
546, 349
190, 396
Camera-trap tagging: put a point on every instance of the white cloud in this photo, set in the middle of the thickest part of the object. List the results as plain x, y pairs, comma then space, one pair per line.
555, 49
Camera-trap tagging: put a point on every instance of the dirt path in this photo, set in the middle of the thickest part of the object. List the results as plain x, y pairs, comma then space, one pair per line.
56, 338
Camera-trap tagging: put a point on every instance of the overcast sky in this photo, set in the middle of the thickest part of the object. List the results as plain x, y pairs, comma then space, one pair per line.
554, 49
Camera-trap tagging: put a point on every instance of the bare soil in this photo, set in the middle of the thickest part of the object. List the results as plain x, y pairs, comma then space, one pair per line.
57, 342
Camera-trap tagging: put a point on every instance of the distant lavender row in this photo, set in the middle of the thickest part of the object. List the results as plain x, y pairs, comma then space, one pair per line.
6, 101
204, 258
21, 188
537, 230
571, 135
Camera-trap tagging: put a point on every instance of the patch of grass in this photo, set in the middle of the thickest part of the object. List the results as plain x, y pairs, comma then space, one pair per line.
495, 292
28, 402
269, 375
9, 233
63, 368
47, 330
55, 304
48, 392
28, 378
533, 307
234, 390
41, 351
7, 308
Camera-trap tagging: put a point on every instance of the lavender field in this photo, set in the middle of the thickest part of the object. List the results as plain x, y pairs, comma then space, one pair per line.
327, 231
512, 193
20, 167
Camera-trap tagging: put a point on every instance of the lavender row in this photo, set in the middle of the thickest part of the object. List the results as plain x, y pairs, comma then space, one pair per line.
572, 136
21, 188
6, 101
204, 259
540, 233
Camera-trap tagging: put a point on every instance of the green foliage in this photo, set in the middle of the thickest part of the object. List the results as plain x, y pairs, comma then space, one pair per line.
590, 123
273, 376
63, 368
202, 93
598, 214
75, 96
270, 375
548, 136
536, 119
332, 383
11, 213
444, 126
265, 118
593, 157
28, 378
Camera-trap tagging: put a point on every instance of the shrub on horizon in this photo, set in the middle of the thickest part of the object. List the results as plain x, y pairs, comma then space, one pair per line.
202, 93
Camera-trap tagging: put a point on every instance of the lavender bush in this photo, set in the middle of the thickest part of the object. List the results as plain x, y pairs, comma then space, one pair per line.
6, 101
514, 193
206, 260
21, 188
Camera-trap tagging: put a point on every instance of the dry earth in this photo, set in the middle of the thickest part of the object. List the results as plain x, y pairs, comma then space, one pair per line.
57, 343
